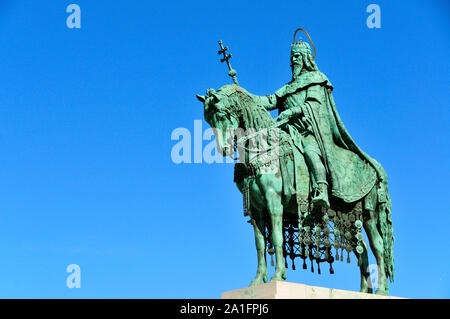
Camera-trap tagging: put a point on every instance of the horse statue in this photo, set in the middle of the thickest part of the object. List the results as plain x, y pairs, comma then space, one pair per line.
273, 176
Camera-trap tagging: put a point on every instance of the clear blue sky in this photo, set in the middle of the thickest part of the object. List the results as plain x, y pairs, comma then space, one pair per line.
86, 117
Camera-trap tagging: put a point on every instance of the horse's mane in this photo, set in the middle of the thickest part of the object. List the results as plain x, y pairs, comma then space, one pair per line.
253, 115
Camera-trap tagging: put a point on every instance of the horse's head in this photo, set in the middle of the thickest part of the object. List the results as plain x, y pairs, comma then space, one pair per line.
220, 111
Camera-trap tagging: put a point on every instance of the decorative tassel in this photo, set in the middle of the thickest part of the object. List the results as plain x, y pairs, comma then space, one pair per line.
337, 253
318, 268
271, 260
312, 265
304, 264
331, 269
348, 257
293, 264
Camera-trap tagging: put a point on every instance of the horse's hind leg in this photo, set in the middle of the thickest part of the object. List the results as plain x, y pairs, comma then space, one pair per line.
377, 247
260, 242
271, 186
364, 270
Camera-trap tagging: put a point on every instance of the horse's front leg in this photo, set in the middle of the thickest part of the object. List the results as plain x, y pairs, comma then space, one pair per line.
260, 243
271, 186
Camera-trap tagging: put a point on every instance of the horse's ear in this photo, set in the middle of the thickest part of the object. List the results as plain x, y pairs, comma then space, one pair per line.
201, 98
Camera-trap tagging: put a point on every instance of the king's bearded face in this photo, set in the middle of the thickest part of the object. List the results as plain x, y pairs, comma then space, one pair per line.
296, 64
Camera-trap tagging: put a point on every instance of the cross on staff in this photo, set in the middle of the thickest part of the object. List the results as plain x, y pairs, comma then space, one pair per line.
226, 58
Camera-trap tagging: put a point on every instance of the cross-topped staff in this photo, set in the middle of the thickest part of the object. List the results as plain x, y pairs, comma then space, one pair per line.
226, 58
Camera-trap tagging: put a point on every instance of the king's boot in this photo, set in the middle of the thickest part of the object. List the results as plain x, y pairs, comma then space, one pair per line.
320, 198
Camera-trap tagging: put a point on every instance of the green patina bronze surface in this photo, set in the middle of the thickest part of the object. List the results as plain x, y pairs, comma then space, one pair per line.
308, 188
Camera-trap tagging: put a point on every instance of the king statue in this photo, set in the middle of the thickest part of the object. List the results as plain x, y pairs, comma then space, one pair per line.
309, 189
314, 124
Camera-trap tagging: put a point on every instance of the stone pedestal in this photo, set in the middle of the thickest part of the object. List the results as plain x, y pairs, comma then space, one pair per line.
289, 290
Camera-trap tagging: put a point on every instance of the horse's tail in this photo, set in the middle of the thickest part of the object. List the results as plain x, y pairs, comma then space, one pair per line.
387, 232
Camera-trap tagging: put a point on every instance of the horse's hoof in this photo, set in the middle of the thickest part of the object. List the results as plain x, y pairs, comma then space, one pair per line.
259, 280
382, 292
278, 277
364, 287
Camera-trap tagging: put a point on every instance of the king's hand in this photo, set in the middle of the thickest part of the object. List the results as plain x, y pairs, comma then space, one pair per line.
284, 115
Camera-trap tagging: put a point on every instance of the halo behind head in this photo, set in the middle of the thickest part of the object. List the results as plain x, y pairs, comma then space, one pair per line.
294, 44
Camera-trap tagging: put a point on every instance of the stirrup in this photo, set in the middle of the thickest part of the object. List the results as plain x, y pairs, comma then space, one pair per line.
317, 189
322, 182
